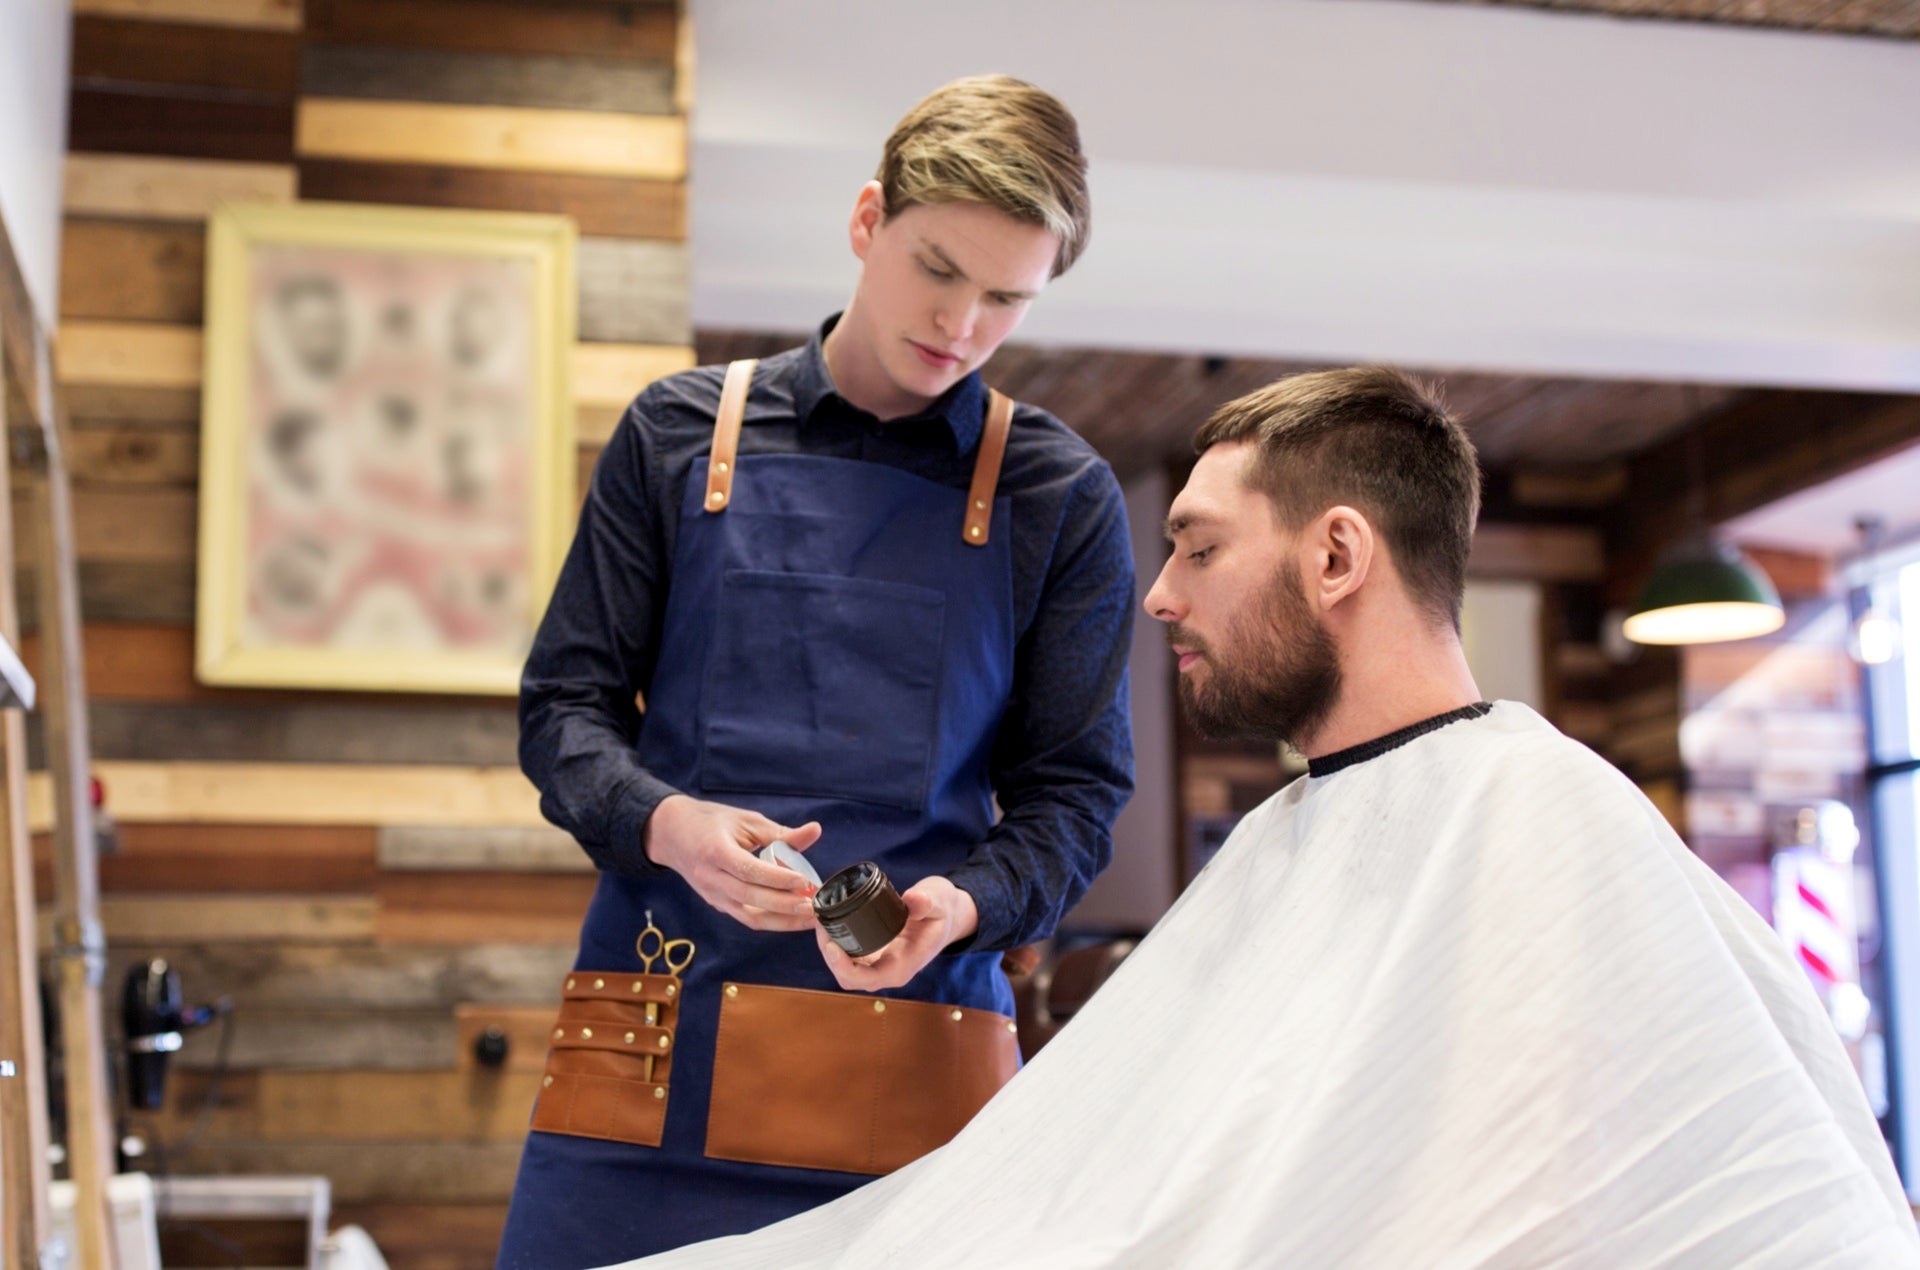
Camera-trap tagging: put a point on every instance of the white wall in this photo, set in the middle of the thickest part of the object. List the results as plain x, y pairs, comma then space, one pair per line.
1451, 186
1138, 886
34, 37
1500, 630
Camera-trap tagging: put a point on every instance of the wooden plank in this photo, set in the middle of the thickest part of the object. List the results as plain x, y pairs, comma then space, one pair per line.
361, 978
430, 1236
1580, 661
424, 849
488, 79
481, 734
635, 292
311, 1039
169, 189
607, 377
268, 15
1582, 487
123, 121
109, 49
465, 1104
392, 1172
619, 207
114, 454
20, 338
129, 355
135, 405
1538, 553
131, 525
644, 30
527, 1029
133, 271
504, 137
147, 661
242, 918
310, 793
454, 1104
143, 357
323, 859
441, 908
119, 592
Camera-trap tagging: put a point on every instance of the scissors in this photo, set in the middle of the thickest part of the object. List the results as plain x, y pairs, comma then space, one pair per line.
654, 946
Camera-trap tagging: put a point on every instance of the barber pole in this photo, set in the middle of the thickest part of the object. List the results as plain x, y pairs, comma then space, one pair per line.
1813, 911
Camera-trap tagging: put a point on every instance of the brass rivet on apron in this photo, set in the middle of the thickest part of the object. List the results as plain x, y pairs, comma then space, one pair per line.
733, 989
981, 503
659, 1091
957, 1016
629, 1038
879, 1007
586, 1034
663, 1042
546, 1080
720, 467
974, 532
569, 983
599, 983
674, 988
716, 498
559, 1032
1012, 1028
637, 985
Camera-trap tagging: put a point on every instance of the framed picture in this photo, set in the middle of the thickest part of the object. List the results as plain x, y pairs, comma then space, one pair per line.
387, 462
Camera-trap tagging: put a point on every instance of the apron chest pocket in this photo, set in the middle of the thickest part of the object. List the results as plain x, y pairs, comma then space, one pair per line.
823, 686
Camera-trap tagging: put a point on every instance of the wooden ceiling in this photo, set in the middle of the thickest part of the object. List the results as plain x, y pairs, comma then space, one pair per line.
1895, 19
1141, 409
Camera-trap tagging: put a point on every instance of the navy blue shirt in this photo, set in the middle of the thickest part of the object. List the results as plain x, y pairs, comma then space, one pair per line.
1062, 761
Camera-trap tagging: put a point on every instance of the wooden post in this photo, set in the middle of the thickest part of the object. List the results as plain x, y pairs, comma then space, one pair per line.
80, 950
25, 1173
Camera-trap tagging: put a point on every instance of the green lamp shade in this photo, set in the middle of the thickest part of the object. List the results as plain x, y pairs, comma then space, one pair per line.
1705, 593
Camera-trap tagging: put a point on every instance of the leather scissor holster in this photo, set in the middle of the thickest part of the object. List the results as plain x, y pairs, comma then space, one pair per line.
596, 1084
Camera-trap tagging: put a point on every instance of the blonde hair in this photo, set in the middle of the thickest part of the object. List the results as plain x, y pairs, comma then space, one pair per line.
996, 140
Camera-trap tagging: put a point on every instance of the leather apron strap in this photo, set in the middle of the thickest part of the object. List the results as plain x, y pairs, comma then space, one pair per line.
726, 434
986, 463
986, 467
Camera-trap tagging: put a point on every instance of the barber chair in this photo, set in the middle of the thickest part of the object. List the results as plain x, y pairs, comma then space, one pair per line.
1046, 999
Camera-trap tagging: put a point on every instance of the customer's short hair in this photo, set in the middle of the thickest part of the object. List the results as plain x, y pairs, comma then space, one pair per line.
1377, 440
996, 140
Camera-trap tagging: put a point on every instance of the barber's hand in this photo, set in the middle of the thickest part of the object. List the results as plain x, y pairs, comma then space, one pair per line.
938, 913
711, 846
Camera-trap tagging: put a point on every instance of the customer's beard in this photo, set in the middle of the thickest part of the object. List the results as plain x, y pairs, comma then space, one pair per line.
1281, 677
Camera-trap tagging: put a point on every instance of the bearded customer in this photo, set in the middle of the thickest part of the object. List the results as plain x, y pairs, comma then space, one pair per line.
1457, 997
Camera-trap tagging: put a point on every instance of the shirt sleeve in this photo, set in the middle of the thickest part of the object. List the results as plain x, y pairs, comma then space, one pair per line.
1063, 757
594, 652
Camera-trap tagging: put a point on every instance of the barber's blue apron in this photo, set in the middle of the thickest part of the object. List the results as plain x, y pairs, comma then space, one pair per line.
835, 649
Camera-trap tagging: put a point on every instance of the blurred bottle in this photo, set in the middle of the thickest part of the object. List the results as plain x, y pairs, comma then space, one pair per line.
106, 833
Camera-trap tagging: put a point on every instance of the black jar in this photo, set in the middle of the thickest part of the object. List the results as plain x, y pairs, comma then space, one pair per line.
859, 909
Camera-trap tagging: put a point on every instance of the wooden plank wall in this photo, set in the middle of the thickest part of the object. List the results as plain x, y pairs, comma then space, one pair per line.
366, 876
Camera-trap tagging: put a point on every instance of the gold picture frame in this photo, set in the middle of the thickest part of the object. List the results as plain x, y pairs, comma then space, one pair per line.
387, 445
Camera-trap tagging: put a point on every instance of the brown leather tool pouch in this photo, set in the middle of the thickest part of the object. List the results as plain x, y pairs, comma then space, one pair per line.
596, 1084
857, 1084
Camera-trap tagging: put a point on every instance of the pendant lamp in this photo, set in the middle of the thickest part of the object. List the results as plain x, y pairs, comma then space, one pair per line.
1703, 591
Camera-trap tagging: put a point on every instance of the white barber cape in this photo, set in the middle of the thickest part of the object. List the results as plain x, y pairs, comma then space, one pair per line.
1467, 1003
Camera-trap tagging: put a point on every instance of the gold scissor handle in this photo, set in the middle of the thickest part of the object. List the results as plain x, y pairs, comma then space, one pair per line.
651, 946
678, 954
